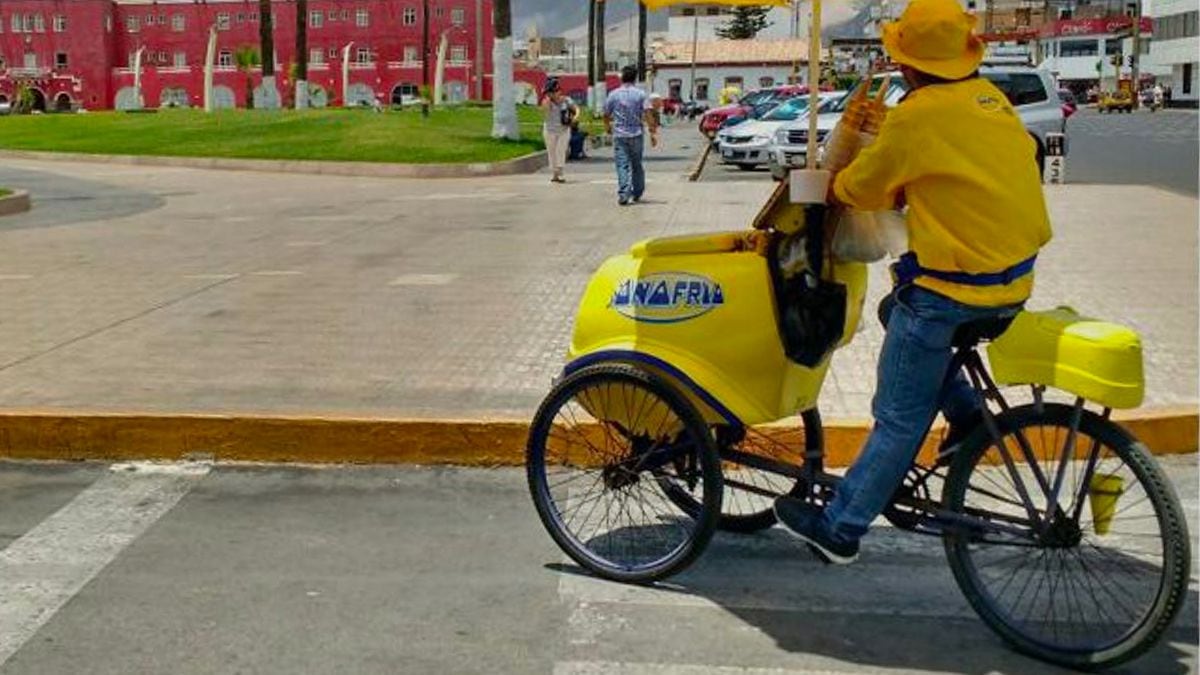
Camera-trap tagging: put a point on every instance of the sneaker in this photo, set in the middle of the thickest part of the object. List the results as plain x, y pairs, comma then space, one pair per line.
804, 520
623, 201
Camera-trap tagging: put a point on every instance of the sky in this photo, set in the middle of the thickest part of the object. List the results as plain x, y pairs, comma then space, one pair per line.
552, 17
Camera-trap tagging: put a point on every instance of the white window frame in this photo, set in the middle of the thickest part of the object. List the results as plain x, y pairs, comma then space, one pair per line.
178, 23
60, 23
458, 54
225, 59
316, 18
133, 24
410, 55
362, 56
362, 18
65, 61
39, 23
223, 21
458, 16
316, 57
410, 16
179, 60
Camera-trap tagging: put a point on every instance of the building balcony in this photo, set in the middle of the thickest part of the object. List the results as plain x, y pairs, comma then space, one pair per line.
29, 72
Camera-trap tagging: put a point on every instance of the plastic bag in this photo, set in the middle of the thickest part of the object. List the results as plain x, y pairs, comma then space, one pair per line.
868, 236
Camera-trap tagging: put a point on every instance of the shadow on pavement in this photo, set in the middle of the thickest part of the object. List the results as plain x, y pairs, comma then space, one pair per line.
934, 643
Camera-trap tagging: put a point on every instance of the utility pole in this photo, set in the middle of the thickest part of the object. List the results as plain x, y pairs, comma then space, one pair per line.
695, 41
1135, 60
425, 43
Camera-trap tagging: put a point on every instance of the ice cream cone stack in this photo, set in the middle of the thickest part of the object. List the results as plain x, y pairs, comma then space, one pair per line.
843, 143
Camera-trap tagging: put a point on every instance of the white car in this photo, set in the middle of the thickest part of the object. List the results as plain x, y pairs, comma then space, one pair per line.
1030, 90
748, 145
790, 147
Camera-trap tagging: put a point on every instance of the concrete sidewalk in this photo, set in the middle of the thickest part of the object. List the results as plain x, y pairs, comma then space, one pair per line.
215, 292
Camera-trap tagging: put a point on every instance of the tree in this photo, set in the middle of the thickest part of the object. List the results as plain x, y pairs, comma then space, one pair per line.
641, 45
247, 59
745, 23
301, 75
266, 46
504, 100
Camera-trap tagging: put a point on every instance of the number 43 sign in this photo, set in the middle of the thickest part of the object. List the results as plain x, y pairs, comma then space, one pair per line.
1055, 169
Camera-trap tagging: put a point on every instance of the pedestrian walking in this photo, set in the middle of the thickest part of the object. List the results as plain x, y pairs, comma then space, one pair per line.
626, 118
559, 114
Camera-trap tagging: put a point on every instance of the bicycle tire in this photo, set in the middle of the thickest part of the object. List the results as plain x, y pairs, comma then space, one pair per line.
705, 452
738, 512
1168, 514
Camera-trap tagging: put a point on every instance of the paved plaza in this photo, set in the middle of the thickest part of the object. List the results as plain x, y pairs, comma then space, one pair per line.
175, 290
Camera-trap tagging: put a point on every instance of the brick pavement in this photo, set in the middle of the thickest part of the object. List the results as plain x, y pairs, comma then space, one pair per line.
180, 290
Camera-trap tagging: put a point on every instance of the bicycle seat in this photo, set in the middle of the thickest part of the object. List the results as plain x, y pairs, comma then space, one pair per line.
972, 333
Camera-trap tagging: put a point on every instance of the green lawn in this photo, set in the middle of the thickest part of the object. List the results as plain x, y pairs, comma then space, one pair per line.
449, 135
4, 193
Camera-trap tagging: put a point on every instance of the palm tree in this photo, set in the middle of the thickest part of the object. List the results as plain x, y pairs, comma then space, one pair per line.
601, 57
247, 59
301, 99
504, 103
641, 45
591, 59
266, 40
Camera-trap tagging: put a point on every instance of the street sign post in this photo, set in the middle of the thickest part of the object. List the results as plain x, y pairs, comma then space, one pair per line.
1055, 170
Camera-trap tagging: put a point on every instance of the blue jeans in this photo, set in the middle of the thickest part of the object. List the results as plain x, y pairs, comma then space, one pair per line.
912, 370
631, 178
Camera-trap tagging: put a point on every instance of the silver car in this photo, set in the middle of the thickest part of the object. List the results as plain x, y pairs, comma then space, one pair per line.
1031, 91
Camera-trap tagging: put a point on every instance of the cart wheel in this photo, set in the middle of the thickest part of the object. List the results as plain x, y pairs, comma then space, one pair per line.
750, 493
601, 445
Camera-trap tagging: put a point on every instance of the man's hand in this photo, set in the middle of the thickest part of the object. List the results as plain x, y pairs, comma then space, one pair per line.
654, 138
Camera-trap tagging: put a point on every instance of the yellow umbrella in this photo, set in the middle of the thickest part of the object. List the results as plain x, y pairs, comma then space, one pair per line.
814, 52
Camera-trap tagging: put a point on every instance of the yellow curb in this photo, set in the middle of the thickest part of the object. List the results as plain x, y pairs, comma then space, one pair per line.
115, 437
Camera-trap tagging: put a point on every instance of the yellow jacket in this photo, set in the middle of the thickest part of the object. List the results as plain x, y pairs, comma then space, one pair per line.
966, 166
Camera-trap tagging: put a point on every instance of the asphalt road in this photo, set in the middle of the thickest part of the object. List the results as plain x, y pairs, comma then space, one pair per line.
187, 569
1142, 148
1156, 149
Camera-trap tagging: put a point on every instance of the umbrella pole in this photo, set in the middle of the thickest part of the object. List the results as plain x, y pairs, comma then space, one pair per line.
814, 77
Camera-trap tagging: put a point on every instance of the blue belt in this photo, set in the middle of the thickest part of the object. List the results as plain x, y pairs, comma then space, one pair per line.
907, 269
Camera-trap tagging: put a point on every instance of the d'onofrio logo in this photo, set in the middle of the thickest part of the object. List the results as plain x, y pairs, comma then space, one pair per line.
667, 297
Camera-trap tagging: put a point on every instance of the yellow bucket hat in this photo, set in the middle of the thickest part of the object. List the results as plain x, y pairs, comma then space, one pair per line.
934, 36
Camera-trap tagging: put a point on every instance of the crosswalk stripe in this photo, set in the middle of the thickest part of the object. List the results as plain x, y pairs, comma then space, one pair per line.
45, 568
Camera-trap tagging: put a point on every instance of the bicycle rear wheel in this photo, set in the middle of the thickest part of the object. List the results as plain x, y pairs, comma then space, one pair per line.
1099, 573
602, 445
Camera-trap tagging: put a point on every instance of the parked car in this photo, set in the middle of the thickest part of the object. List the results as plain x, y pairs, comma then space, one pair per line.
5, 108
1116, 101
748, 144
1030, 90
711, 121
790, 147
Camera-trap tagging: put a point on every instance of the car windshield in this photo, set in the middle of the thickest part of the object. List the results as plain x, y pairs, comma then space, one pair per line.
788, 110
756, 97
1020, 88
839, 105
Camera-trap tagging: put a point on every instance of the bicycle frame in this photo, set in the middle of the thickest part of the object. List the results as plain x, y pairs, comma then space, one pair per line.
924, 515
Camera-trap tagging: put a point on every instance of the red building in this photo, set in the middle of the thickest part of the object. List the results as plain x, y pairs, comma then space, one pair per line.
80, 53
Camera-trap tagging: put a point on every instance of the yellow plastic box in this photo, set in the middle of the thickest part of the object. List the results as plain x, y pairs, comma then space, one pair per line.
1100, 361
